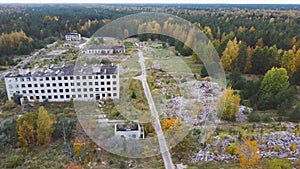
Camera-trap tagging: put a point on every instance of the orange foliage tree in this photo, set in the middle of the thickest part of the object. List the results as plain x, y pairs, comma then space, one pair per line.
73, 165
168, 123
248, 154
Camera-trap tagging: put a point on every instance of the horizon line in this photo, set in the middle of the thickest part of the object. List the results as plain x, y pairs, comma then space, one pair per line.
152, 3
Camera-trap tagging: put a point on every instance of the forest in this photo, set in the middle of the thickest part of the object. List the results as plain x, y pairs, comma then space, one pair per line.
28, 27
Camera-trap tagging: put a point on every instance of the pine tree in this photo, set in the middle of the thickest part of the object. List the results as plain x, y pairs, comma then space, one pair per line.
242, 57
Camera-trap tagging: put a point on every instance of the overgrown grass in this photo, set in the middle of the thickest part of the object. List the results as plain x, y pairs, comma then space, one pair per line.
51, 157
195, 68
137, 95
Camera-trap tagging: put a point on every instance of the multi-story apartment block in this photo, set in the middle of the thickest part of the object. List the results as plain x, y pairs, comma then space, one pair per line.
73, 36
104, 50
58, 84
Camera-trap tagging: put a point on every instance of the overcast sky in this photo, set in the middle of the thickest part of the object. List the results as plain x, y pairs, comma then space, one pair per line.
158, 1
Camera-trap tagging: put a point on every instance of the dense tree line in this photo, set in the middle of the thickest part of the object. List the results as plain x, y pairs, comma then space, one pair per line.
28, 27
45, 24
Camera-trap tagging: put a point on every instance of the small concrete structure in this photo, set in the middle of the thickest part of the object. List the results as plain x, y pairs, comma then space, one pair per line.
73, 37
131, 130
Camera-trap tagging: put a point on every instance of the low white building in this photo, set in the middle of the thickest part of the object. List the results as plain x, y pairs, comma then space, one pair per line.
59, 84
73, 37
119, 49
104, 50
131, 130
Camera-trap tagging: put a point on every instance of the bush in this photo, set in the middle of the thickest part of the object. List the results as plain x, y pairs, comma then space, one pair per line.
295, 116
228, 105
122, 164
14, 161
8, 133
276, 148
232, 149
266, 119
133, 95
280, 101
236, 81
253, 117
295, 79
73, 165
204, 72
250, 89
293, 147
9, 104
279, 164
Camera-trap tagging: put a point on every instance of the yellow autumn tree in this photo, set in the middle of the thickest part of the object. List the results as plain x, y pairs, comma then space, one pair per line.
260, 42
126, 33
77, 147
26, 129
13, 41
248, 64
228, 105
44, 127
252, 29
297, 59
207, 30
230, 55
293, 41
288, 61
248, 154
157, 27
190, 38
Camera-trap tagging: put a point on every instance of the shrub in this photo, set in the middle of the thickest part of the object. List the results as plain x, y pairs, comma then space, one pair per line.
222, 135
279, 164
296, 132
8, 133
295, 116
293, 147
73, 165
266, 119
253, 117
204, 72
248, 156
228, 105
133, 95
14, 161
276, 148
232, 149
122, 164
9, 104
